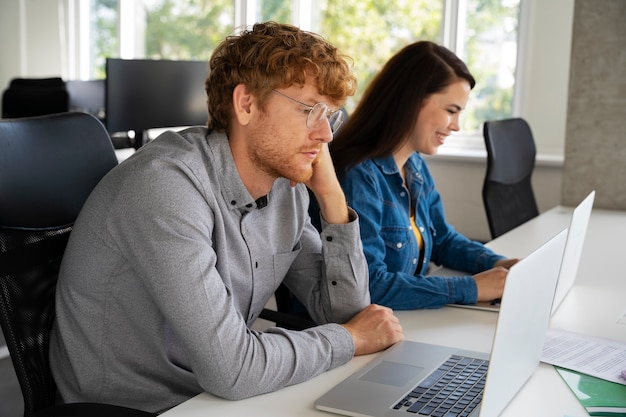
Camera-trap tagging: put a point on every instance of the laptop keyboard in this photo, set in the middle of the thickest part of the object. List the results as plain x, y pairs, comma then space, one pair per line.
453, 390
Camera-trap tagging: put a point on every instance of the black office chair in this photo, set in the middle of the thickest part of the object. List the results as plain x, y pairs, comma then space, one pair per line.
48, 167
27, 97
507, 190
289, 313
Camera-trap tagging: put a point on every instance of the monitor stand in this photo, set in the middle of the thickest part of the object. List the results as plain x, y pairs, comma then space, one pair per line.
140, 139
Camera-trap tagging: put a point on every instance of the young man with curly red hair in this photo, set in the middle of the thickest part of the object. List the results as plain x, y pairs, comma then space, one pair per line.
179, 248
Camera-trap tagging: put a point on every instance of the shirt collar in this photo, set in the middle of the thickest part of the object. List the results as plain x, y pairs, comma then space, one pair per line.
388, 165
232, 188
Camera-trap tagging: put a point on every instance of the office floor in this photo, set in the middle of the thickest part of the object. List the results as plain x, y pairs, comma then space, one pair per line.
11, 404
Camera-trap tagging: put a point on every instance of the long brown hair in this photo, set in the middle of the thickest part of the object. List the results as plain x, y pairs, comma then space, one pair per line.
390, 105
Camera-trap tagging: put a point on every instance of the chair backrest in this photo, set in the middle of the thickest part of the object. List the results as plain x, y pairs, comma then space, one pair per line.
507, 192
27, 97
48, 167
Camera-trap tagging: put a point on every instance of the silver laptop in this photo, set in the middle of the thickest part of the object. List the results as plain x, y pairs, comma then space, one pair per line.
395, 383
573, 249
571, 258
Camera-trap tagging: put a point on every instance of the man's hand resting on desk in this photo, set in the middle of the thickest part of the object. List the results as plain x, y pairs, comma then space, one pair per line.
373, 329
490, 283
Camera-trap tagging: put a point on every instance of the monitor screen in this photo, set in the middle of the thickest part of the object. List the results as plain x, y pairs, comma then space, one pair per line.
142, 94
87, 96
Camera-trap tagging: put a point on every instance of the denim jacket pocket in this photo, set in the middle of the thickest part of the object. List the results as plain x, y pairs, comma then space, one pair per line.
401, 249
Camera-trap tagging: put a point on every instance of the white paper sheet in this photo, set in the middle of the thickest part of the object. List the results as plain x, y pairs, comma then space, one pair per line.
595, 356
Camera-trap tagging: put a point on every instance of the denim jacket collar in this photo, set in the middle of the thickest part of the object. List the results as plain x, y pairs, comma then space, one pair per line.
388, 164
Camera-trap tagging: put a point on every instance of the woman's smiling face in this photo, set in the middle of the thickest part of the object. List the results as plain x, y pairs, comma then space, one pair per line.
438, 117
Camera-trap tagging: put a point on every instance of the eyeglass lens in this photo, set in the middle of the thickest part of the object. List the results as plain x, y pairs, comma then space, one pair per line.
319, 112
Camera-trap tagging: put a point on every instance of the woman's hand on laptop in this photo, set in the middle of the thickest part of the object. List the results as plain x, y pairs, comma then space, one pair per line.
507, 263
373, 329
490, 283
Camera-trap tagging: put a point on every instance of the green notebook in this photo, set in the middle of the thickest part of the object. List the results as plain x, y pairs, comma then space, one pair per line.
599, 396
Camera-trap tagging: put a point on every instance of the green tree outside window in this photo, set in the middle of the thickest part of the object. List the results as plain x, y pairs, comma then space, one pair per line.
369, 31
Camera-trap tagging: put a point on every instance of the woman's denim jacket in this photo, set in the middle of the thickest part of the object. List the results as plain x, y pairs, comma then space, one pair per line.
375, 190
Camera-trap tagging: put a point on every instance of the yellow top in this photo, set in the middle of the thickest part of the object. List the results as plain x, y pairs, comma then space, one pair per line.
418, 235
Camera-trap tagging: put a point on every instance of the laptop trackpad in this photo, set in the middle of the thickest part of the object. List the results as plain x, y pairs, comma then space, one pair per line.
392, 373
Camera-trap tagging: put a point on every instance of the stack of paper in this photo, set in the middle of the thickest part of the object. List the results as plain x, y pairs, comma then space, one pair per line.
591, 367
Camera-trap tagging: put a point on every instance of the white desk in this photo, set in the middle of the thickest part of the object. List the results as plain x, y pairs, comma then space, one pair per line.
593, 306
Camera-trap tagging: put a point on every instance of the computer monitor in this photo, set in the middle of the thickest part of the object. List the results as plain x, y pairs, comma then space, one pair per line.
142, 94
87, 96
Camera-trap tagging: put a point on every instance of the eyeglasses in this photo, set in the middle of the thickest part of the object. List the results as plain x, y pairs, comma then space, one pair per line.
317, 113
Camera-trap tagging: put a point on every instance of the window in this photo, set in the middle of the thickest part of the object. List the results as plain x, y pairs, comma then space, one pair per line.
483, 33
157, 29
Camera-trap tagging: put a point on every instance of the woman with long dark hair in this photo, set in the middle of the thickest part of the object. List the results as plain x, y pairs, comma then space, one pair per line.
409, 109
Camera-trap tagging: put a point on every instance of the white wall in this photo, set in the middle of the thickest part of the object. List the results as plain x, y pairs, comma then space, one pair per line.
10, 41
30, 39
544, 70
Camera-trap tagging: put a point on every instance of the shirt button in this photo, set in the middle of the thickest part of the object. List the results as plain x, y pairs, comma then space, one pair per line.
402, 193
399, 245
422, 229
329, 238
233, 202
414, 261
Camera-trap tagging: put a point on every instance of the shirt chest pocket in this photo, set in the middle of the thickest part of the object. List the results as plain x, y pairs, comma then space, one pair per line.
266, 279
282, 263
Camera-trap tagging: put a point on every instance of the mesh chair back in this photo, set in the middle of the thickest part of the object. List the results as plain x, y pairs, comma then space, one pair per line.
507, 192
29, 265
48, 167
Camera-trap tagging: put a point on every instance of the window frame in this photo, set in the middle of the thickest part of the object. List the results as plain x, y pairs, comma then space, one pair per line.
467, 144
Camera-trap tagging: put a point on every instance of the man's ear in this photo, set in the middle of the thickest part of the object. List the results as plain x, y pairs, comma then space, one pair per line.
243, 102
